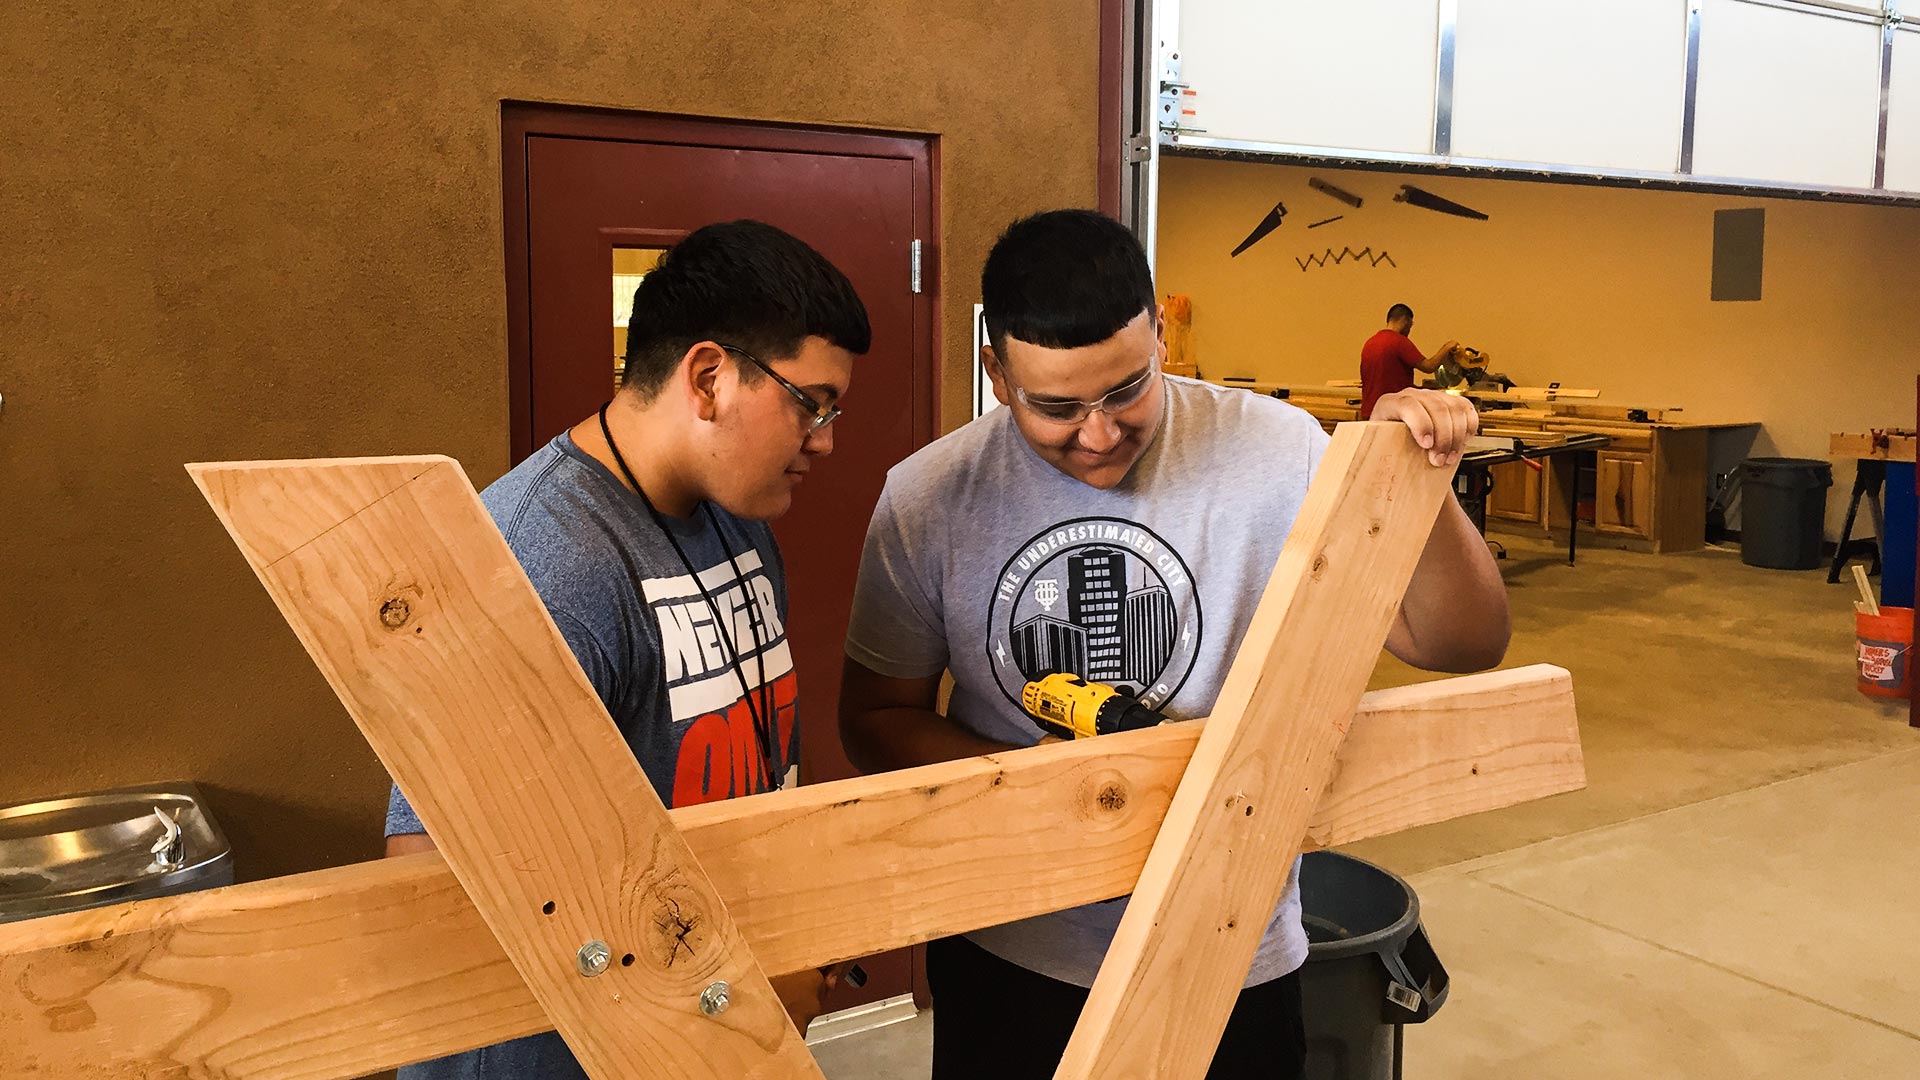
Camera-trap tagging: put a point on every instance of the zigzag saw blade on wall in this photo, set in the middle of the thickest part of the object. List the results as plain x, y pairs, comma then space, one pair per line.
1260, 231
1371, 257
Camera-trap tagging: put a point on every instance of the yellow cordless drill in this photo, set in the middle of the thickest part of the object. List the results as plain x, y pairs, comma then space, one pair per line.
1073, 708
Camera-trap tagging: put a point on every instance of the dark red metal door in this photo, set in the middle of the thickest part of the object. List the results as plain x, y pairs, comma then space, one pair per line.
581, 183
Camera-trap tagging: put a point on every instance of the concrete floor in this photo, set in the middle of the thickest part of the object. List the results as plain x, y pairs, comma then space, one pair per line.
1731, 896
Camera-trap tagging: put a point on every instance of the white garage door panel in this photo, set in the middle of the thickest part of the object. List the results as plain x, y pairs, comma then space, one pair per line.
1571, 82
1357, 74
1786, 96
1903, 112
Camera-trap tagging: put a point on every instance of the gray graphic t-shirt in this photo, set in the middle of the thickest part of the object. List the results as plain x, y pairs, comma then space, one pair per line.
984, 560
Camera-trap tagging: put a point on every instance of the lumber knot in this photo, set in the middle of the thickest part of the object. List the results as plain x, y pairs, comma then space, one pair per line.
1104, 793
395, 613
677, 929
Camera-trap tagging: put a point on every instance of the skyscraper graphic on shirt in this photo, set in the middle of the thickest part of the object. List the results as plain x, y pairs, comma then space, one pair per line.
1100, 598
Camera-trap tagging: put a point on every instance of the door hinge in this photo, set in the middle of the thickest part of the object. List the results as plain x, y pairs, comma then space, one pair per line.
914, 248
1139, 149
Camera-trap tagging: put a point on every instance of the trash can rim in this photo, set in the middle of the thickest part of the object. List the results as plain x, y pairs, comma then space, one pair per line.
1377, 941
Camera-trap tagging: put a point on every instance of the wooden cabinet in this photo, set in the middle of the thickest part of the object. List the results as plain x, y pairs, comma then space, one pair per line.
1516, 493
1623, 495
1647, 489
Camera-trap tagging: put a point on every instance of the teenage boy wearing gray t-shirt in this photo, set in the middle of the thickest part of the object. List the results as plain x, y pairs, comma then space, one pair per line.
1120, 524
643, 529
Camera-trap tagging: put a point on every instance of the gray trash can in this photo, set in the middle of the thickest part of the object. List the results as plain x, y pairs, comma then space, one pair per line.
1370, 968
1783, 511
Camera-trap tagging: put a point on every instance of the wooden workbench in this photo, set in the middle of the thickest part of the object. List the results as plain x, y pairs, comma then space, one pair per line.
1650, 485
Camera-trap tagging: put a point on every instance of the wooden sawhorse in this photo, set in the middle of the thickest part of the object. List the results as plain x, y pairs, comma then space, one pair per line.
564, 896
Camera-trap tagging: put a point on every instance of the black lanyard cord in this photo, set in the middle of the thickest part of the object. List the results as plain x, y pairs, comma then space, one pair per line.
765, 720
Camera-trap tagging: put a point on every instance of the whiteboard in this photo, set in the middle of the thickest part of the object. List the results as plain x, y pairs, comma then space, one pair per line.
1903, 113
1571, 82
1786, 96
1356, 74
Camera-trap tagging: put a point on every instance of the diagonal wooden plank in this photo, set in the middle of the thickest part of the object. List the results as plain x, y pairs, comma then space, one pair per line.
428, 630
284, 519
396, 966
1218, 866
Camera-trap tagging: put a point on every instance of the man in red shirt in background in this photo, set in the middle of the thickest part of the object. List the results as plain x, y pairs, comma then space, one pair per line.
1388, 359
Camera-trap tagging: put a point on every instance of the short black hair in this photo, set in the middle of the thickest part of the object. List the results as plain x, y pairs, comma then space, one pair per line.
740, 283
1399, 311
1063, 279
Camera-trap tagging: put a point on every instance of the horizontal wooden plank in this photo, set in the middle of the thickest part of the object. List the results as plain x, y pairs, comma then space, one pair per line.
1531, 438
1338, 414
1593, 411
1620, 436
1531, 393
343, 972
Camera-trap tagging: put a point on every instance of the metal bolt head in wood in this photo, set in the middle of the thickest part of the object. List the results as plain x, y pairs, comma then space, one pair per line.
594, 957
715, 998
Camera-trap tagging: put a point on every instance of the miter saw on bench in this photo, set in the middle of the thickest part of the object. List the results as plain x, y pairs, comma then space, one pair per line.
1466, 369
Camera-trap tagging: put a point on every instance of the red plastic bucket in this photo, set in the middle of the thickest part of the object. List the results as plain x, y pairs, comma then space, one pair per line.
1884, 667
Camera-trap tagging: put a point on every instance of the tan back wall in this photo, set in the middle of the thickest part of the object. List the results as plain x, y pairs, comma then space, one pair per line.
1595, 287
261, 230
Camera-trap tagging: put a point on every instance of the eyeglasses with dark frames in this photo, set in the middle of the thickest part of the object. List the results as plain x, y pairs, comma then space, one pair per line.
818, 415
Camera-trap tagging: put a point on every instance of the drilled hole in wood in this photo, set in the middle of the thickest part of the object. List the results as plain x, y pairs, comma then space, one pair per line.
546, 908
627, 960
1249, 811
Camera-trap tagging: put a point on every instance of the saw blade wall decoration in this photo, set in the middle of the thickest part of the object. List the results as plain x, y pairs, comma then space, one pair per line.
1260, 231
1427, 200
1408, 195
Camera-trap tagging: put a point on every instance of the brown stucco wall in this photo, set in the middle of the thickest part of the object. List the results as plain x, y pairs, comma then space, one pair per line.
256, 230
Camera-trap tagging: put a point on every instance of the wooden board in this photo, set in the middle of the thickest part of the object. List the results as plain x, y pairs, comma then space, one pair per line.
429, 631
1222, 858
1893, 444
1588, 411
1620, 436
1530, 438
395, 965
1530, 393
1327, 413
